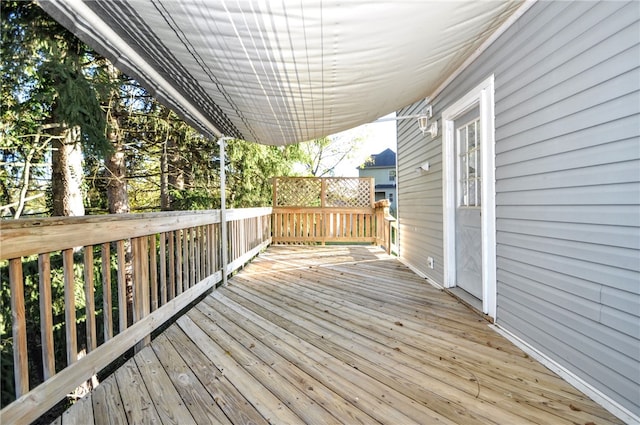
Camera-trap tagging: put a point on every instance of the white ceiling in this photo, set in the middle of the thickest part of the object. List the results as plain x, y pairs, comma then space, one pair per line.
279, 72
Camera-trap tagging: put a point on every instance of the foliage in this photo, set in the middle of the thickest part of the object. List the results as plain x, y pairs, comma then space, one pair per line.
50, 82
320, 157
250, 169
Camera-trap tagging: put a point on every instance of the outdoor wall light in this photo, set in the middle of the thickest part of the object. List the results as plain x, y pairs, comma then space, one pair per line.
423, 123
423, 120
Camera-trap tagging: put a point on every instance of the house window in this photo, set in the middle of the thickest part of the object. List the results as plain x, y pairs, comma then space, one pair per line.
392, 175
469, 160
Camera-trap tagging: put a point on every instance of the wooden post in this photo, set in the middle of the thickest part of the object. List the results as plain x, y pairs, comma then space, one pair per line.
323, 193
372, 192
20, 362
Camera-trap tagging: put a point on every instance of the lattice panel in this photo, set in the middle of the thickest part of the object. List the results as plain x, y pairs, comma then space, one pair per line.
339, 192
349, 193
298, 192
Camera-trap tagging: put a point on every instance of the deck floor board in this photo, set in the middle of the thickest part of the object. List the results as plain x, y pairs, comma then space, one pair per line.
329, 335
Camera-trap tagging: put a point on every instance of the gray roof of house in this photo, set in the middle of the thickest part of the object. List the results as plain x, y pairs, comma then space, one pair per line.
386, 158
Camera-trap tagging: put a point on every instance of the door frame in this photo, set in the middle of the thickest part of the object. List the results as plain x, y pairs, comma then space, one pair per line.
482, 95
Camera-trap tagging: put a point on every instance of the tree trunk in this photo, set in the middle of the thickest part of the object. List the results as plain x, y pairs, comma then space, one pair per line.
116, 170
165, 201
174, 168
67, 174
116, 167
117, 196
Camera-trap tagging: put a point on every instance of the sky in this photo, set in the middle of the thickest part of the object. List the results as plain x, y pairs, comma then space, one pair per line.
376, 138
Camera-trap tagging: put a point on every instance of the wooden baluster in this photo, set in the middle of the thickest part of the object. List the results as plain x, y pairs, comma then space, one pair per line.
203, 252
137, 278
153, 270
46, 316
106, 292
216, 248
163, 268
276, 227
122, 287
185, 259
303, 227
192, 256
145, 303
18, 319
90, 307
179, 264
198, 241
70, 306
209, 256
172, 266
238, 239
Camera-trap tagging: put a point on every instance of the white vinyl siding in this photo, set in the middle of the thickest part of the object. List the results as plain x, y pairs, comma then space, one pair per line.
567, 116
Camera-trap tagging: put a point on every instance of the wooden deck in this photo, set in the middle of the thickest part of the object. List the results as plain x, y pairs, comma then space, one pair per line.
329, 335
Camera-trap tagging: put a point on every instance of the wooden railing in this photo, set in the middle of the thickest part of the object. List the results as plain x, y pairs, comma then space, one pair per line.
386, 227
311, 210
147, 267
321, 225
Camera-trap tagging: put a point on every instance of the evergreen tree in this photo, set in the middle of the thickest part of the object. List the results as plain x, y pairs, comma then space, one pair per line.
48, 97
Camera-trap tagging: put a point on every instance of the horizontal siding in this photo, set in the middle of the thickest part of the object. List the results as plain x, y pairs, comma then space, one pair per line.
567, 186
420, 197
580, 52
533, 147
575, 328
627, 216
547, 173
620, 194
606, 255
622, 388
612, 235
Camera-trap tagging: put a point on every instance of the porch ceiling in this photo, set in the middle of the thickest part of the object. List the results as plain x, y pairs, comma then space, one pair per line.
284, 72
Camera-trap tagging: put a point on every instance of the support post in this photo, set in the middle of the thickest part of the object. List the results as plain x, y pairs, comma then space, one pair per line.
223, 210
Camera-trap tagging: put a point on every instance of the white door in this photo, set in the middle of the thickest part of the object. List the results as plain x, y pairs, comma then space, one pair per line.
469, 207
468, 188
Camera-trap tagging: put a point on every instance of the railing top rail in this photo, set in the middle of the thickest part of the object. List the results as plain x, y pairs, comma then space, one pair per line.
34, 236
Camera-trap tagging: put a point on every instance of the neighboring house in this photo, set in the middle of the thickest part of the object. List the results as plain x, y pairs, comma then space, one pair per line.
382, 167
531, 202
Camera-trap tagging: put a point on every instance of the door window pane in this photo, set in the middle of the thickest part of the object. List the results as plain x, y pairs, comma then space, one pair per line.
469, 165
